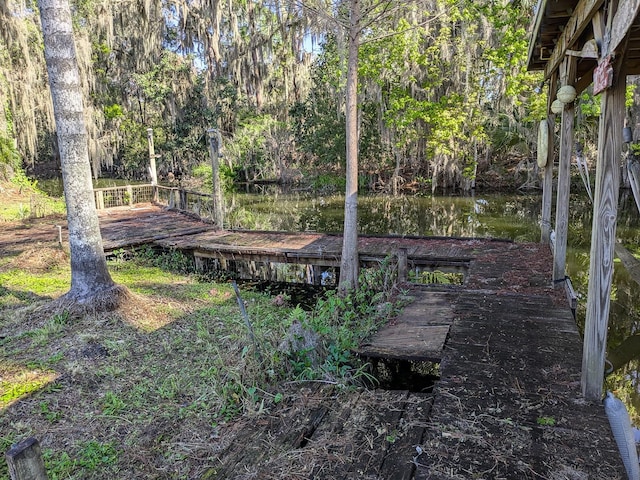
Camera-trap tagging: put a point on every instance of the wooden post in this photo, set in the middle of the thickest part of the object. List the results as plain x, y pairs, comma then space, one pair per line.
25, 461
547, 182
564, 177
402, 265
182, 204
152, 158
215, 141
99, 199
603, 235
130, 193
199, 263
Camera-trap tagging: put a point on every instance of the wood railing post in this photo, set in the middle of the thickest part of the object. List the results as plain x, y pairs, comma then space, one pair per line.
152, 158
401, 256
130, 193
564, 178
99, 199
215, 141
25, 461
603, 235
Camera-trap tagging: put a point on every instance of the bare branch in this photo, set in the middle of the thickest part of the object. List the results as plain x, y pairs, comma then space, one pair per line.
321, 13
393, 34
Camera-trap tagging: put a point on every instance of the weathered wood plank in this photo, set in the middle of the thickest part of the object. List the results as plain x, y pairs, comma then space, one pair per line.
603, 236
540, 13
623, 19
25, 461
417, 343
564, 176
429, 308
581, 18
377, 428
630, 262
399, 462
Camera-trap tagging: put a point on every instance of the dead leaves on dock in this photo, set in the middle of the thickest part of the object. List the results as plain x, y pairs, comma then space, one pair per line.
326, 433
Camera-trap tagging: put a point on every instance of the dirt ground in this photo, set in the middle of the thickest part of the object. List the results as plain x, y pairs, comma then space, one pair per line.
482, 419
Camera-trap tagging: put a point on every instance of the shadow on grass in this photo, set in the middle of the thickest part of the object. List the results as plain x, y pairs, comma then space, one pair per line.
24, 296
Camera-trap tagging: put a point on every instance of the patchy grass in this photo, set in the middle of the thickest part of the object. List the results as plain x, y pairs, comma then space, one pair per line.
154, 380
154, 389
21, 200
18, 382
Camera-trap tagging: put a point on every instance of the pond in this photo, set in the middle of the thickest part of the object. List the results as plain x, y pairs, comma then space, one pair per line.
515, 217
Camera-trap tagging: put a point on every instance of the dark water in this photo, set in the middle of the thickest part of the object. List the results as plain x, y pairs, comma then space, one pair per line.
514, 217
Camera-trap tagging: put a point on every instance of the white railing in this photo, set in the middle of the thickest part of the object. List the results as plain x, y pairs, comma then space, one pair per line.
126, 195
196, 203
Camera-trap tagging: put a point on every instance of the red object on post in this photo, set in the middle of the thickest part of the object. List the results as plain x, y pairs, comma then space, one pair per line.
602, 76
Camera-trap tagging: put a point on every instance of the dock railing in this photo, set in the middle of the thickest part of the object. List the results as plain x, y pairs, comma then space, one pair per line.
123, 196
196, 203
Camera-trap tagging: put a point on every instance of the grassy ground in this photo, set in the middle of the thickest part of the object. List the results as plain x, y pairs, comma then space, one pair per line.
22, 200
154, 390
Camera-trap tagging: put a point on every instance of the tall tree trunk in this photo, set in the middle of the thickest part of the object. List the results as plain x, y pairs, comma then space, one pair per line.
349, 263
89, 275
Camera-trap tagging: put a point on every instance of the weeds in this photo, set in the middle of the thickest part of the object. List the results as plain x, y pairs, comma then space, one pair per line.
427, 277
341, 323
175, 368
91, 456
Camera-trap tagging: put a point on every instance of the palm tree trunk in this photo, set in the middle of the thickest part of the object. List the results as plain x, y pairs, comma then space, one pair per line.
89, 274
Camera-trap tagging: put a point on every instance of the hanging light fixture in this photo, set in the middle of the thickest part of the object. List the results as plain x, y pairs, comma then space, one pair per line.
557, 106
567, 94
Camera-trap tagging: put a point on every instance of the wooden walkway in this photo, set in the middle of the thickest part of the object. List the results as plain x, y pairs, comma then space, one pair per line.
507, 403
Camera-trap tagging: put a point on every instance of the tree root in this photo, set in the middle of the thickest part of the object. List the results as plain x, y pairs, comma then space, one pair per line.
105, 300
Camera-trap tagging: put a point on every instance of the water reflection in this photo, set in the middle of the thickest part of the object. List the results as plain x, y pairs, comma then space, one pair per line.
512, 217
499, 216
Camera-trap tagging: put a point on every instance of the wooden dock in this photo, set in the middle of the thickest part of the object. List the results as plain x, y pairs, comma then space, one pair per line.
506, 405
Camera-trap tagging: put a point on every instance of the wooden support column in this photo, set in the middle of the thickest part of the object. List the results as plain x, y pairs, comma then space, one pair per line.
547, 182
215, 143
401, 255
568, 73
152, 158
603, 235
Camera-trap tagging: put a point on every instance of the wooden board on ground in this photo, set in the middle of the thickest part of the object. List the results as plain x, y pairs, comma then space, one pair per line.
419, 335
360, 434
404, 342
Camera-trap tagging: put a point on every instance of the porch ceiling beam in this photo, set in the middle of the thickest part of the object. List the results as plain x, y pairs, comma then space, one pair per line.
579, 21
540, 8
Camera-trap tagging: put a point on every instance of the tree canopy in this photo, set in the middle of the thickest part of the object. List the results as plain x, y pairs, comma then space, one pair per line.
442, 87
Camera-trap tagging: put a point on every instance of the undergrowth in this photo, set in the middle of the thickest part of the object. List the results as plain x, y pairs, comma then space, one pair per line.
150, 391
